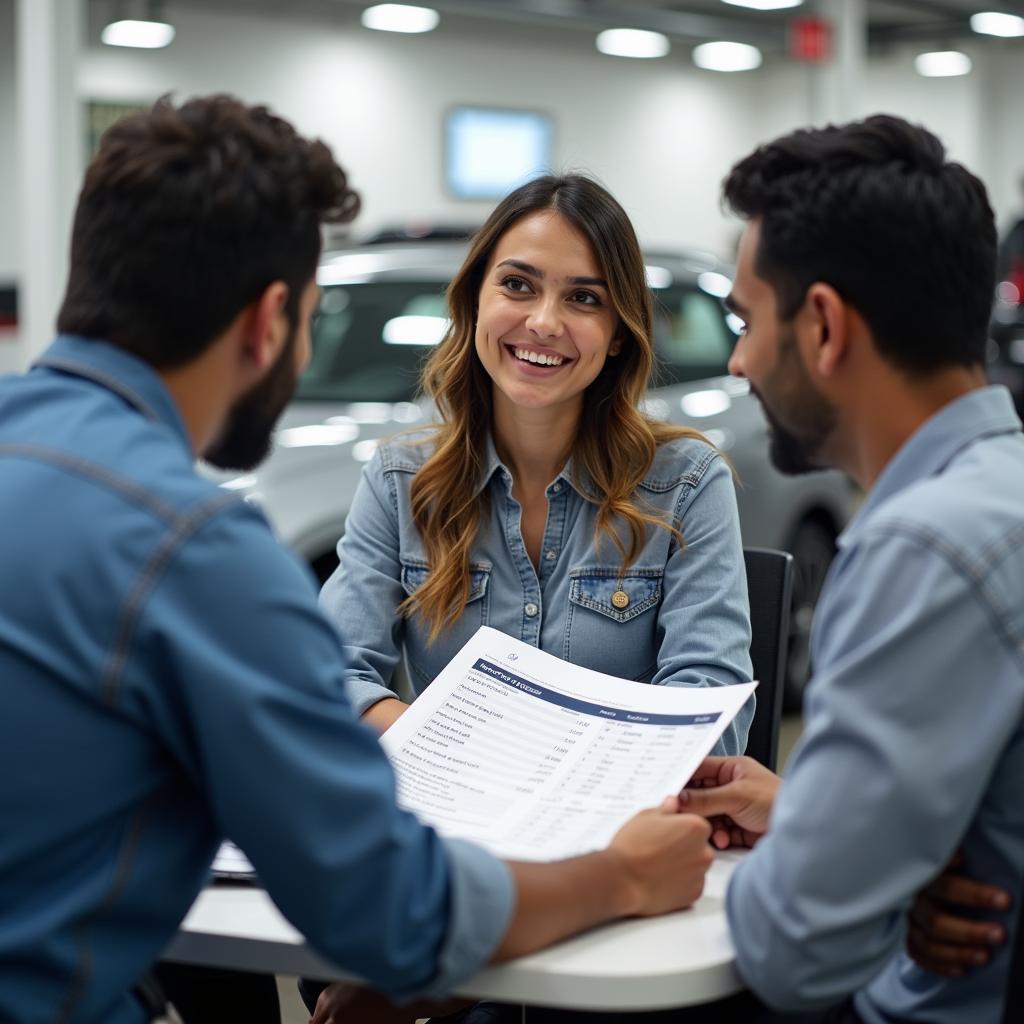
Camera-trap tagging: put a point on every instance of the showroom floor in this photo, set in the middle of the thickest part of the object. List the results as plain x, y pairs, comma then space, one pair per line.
292, 1010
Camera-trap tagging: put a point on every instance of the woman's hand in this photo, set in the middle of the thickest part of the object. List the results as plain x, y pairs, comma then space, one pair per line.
940, 941
385, 713
736, 795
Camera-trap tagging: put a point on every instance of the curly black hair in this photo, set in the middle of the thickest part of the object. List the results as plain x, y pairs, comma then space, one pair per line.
186, 214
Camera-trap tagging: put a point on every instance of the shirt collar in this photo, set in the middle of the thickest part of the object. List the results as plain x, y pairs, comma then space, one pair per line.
493, 464
120, 372
984, 412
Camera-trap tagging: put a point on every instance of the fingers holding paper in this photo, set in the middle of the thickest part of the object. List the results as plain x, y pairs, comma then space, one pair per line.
664, 856
736, 795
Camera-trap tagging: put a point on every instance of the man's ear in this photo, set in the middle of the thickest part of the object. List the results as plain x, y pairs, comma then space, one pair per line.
266, 328
826, 324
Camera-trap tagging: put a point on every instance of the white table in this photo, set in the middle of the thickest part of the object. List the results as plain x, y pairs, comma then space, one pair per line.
651, 964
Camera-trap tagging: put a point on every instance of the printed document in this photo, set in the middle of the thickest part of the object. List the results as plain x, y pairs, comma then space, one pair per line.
537, 759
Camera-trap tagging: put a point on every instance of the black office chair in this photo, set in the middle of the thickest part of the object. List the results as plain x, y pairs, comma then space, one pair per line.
770, 585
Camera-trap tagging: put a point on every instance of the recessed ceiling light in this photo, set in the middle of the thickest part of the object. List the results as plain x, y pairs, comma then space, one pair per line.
942, 64
994, 23
765, 5
632, 42
726, 56
146, 35
400, 18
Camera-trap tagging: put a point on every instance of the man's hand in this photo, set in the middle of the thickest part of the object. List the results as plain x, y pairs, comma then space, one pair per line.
665, 856
736, 795
943, 943
654, 864
385, 713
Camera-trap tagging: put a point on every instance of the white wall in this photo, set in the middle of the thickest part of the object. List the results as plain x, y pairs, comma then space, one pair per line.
660, 134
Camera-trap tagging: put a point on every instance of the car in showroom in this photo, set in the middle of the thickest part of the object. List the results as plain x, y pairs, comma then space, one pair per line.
382, 308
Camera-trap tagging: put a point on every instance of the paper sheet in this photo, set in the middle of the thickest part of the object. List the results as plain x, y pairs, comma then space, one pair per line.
537, 759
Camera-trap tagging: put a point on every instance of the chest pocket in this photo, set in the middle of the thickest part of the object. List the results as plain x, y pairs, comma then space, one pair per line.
611, 622
425, 660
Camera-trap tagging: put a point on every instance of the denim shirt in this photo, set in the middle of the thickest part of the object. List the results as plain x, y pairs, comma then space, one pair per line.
913, 743
686, 622
166, 678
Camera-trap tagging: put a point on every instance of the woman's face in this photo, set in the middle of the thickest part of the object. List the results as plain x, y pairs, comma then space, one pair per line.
545, 322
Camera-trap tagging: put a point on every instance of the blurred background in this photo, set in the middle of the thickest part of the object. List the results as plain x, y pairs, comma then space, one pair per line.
655, 126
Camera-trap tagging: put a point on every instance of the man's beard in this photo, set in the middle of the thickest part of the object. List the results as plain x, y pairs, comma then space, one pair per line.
244, 442
795, 446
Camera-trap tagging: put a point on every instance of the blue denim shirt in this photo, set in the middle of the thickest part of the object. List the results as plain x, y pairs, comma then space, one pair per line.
166, 679
913, 744
686, 622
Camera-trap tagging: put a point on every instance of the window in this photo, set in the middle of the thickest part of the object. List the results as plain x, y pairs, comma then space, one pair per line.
370, 341
489, 151
691, 336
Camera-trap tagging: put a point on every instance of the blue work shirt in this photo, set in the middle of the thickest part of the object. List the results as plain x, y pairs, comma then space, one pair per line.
685, 620
167, 679
913, 746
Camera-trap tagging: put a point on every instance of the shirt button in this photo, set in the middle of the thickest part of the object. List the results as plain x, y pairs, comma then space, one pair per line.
550, 554
620, 599
556, 488
531, 610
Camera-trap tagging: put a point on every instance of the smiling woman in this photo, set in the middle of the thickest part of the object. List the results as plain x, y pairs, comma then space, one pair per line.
544, 502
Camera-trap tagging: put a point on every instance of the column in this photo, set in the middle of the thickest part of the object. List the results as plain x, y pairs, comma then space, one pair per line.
50, 156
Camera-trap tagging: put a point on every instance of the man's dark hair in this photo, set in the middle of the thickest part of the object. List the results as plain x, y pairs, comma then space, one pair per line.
186, 215
874, 209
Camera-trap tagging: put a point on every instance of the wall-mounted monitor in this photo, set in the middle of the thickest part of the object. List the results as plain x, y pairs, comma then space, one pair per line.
490, 150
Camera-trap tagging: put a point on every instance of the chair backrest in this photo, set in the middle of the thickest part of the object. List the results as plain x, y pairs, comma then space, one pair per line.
770, 585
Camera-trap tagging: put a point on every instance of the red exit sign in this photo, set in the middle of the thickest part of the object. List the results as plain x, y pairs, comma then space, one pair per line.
810, 39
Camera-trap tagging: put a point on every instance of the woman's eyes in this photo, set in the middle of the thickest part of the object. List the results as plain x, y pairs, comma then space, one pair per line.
521, 286
514, 283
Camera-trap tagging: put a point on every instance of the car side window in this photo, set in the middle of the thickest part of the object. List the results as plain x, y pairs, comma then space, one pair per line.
370, 340
691, 336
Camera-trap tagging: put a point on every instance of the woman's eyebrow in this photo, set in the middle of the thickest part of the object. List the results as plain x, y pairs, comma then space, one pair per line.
529, 268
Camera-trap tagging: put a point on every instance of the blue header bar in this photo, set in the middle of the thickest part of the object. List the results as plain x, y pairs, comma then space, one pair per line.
585, 707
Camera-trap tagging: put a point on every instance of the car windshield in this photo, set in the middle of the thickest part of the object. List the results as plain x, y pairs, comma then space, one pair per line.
370, 339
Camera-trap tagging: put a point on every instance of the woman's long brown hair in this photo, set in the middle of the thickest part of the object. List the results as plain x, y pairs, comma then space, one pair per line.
615, 442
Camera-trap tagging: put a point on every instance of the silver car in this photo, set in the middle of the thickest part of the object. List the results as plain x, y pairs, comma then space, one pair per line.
383, 307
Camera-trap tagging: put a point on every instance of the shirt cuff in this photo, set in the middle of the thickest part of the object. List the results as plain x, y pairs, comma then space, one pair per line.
482, 900
362, 694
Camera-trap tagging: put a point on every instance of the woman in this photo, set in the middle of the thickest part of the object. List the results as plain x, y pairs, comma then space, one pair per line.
543, 503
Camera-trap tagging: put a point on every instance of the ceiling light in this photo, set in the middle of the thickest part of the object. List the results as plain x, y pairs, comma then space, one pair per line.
765, 5
400, 18
724, 56
993, 23
632, 42
942, 64
146, 35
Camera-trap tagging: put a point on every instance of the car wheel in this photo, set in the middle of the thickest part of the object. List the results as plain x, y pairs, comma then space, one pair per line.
813, 547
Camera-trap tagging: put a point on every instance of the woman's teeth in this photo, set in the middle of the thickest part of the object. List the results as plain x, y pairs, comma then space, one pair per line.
536, 357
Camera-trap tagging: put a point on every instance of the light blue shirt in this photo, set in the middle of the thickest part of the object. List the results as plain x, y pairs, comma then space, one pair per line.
913, 745
166, 679
685, 622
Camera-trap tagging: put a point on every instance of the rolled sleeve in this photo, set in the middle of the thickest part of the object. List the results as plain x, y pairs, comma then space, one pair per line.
482, 902
704, 622
362, 596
